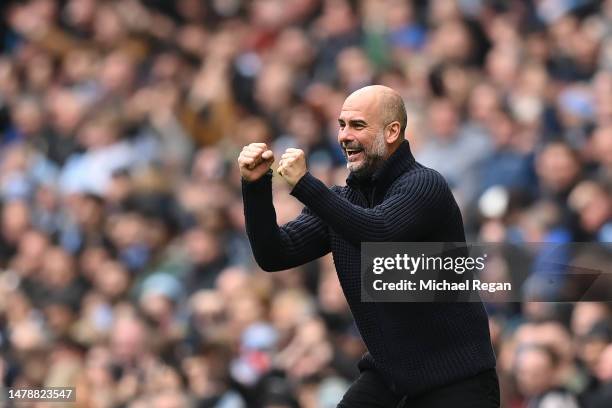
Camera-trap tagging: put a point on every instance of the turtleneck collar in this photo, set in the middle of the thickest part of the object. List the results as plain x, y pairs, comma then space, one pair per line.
397, 164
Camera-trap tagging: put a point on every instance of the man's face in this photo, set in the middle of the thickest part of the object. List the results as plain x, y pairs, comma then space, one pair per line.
534, 373
361, 135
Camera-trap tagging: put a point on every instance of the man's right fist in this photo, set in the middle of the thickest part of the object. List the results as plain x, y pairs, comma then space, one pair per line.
254, 161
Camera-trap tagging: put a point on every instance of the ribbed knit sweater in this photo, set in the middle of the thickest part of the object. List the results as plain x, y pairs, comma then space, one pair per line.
416, 347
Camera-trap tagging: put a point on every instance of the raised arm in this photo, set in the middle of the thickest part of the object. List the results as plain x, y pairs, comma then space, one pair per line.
275, 248
403, 216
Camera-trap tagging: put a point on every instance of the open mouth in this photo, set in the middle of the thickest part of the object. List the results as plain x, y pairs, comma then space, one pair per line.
353, 154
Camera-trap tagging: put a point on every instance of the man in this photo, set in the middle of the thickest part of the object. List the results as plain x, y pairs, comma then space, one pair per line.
537, 368
419, 354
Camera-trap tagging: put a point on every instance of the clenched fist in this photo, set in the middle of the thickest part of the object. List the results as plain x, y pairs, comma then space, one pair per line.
254, 161
292, 165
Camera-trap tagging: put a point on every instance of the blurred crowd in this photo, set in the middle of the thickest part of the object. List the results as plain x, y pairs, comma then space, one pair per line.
124, 265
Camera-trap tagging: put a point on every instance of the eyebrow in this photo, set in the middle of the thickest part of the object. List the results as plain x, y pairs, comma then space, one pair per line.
354, 122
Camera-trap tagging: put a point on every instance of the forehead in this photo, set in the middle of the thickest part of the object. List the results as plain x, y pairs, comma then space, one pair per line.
362, 106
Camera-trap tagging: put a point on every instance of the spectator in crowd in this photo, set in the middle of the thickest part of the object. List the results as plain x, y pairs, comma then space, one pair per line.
536, 376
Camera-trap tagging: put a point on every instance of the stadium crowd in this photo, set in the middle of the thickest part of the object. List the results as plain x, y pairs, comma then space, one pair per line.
124, 266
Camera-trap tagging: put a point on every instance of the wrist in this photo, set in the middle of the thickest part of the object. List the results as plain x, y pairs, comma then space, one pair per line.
299, 182
300, 177
262, 177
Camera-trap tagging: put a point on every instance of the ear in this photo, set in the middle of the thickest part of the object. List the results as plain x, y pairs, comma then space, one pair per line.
392, 132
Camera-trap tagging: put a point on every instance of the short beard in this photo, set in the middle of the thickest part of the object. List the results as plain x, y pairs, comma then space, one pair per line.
373, 158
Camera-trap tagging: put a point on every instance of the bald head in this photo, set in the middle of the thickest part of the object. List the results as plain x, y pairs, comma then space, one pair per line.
372, 124
384, 100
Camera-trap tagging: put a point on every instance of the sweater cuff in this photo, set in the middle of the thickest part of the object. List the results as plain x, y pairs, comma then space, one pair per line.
307, 188
258, 185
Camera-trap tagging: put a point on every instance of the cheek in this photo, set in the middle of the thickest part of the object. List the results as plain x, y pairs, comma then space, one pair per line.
366, 139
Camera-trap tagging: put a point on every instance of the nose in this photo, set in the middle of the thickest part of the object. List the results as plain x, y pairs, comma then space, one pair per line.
344, 136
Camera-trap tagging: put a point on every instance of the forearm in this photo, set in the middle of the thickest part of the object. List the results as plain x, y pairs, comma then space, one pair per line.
277, 248
400, 218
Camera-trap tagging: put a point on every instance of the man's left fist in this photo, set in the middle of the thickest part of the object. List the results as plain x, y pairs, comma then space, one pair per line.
292, 165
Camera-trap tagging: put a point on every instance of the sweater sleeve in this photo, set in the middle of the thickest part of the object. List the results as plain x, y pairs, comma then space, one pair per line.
277, 248
403, 216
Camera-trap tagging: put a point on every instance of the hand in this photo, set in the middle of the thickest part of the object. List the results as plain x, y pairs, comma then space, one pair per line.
254, 161
292, 165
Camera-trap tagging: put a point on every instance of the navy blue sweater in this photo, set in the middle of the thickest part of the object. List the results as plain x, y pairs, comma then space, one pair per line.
414, 346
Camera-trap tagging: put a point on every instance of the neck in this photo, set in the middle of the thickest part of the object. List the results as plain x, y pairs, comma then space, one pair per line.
392, 148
